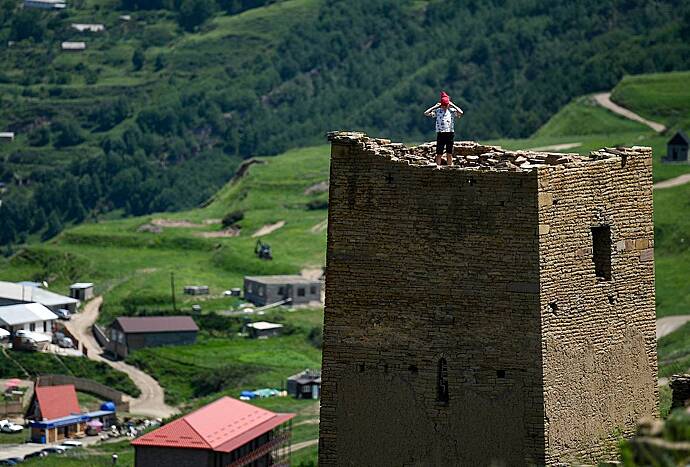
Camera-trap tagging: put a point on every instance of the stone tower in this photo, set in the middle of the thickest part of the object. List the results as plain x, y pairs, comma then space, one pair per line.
499, 312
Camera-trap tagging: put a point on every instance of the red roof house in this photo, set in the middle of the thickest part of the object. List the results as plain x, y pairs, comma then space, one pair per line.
226, 432
50, 402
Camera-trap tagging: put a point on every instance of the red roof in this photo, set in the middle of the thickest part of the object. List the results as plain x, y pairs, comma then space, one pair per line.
223, 425
57, 401
130, 325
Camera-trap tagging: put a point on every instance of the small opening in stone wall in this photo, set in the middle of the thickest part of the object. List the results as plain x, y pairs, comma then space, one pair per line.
360, 367
413, 369
624, 160
601, 243
553, 307
442, 382
555, 201
612, 300
385, 367
500, 374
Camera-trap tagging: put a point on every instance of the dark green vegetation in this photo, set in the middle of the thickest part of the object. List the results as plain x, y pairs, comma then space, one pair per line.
36, 364
158, 111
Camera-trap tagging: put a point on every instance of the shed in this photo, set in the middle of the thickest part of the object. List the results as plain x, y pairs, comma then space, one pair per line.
131, 333
7, 136
196, 290
263, 329
294, 290
73, 46
678, 148
305, 385
81, 291
226, 432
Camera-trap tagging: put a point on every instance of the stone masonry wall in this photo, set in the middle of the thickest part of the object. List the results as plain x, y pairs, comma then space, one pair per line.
424, 265
478, 282
599, 336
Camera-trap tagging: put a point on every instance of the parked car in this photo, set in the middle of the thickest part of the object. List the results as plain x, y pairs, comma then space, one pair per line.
11, 428
63, 341
7, 462
63, 314
7, 426
73, 442
53, 450
31, 455
16, 460
65, 447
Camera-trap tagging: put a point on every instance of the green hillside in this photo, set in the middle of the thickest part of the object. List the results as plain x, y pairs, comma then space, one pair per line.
158, 111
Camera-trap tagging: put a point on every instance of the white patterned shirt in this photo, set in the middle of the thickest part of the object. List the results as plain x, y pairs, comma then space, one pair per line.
445, 119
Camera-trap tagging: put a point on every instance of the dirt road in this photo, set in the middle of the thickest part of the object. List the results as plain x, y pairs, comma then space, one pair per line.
604, 100
304, 444
667, 325
151, 402
680, 180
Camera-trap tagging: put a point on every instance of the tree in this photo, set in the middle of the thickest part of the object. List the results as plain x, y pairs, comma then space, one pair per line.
39, 137
138, 59
68, 134
160, 63
54, 227
28, 24
194, 13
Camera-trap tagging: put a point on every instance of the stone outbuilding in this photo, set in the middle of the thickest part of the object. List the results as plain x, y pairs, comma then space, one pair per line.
497, 312
293, 290
82, 291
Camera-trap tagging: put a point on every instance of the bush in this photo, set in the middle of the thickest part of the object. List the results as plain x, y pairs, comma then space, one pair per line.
232, 218
317, 204
316, 337
217, 379
67, 134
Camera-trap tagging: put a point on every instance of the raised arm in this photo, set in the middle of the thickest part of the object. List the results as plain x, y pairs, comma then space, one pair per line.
430, 111
457, 109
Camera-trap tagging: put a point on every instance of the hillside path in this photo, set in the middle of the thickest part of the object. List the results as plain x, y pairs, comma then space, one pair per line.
304, 444
604, 100
679, 180
151, 402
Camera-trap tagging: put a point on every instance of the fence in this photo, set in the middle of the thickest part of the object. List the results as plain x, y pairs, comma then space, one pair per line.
100, 336
87, 385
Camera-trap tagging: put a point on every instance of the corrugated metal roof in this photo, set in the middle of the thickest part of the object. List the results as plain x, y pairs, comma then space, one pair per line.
21, 293
223, 425
57, 401
13, 315
133, 325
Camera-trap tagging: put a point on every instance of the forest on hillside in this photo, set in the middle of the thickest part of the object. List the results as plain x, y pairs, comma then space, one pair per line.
159, 111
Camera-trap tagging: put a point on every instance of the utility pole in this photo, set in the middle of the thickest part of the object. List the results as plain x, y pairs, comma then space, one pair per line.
172, 289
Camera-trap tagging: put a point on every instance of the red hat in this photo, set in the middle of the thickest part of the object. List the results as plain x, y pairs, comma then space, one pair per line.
445, 99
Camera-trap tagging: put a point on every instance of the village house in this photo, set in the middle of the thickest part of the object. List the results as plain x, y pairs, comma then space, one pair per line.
73, 46
7, 136
263, 330
305, 385
14, 294
32, 317
226, 432
678, 149
294, 290
127, 334
82, 291
45, 4
88, 27
55, 414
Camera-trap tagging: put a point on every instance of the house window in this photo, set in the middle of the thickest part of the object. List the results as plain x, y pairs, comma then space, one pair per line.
601, 248
45, 326
32, 326
301, 292
262, 291
312, 290
442, 382
306, 389
281, 290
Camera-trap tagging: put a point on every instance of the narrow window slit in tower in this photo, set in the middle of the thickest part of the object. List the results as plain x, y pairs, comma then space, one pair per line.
413, 369
601, 243
500, 374
442, 382
361, 367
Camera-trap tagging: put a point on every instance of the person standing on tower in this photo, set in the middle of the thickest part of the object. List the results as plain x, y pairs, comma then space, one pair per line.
444, 112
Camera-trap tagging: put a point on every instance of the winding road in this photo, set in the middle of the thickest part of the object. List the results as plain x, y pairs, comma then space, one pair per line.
151, 402
604, 100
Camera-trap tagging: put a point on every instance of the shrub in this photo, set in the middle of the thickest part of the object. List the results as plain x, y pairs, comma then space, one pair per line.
317, 204
232, 218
